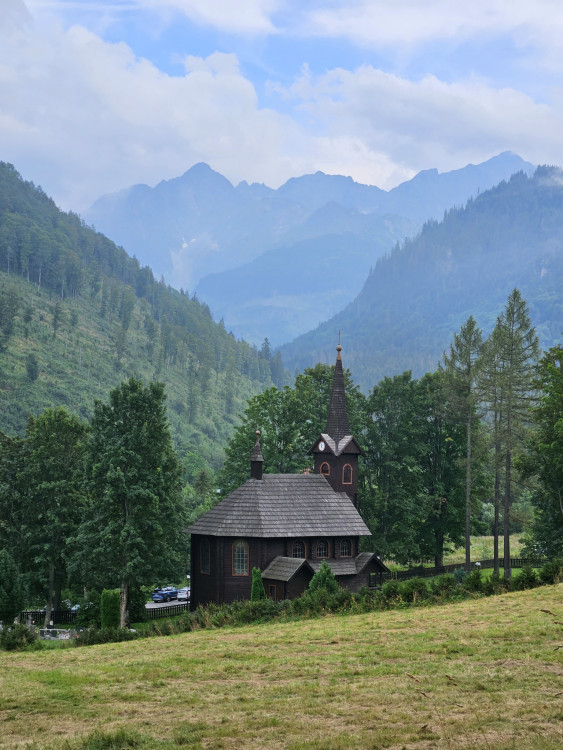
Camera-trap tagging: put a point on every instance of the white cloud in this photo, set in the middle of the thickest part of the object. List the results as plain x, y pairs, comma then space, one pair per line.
83, 117
429, 123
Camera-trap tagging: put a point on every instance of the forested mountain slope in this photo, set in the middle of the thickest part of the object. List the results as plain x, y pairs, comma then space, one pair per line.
78, 315
425, 289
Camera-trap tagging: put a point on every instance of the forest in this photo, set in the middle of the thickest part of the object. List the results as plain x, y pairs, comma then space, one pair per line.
78, 315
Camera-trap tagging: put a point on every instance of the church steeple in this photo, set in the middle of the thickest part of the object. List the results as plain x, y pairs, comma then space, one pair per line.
337, 419
256, 459
336, 451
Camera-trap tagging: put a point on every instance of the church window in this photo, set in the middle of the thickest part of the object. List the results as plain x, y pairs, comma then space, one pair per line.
240, 558
205, 556
298, 549
322, 548
325, 469
345, 548
347, 474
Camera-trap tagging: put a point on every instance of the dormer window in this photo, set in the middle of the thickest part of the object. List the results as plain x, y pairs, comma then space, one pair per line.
347, 474
325, 469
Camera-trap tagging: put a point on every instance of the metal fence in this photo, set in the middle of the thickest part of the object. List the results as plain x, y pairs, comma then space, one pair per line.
155, 613
37, 616
421, 572
66, 616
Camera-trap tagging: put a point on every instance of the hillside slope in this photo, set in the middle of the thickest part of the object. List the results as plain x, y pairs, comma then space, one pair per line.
425, 289
77, 315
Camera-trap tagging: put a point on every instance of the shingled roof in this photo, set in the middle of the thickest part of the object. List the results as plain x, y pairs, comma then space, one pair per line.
283, 505
284, 568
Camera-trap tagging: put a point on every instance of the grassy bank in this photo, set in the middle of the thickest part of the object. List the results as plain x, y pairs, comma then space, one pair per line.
478, 674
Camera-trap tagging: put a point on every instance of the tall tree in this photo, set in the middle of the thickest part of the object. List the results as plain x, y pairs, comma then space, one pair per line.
461, 370
132, 531
516, 350
51, 481
545, 459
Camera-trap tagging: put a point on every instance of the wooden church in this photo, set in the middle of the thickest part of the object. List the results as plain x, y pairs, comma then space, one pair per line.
287, 524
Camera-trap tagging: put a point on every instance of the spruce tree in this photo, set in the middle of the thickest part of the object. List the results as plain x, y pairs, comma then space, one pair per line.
509, 384
461, 369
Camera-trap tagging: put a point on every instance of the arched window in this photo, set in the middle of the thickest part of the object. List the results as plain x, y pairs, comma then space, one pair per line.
347, 474
240, 558
325, 469
345, 548
298, 549
322, 548
205, 556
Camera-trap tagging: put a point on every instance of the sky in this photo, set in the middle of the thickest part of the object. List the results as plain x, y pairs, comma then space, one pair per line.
98, 95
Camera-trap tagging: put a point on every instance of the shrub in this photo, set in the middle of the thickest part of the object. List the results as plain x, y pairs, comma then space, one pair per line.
528, 579
460, 574
390, 591
94, 636
18, 638
88, 614
552, 571
257, 592
444, 586
110, 608
493, 585
473, 581
324, 579
413, 590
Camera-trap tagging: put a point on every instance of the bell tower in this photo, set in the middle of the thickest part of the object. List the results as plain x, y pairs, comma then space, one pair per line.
336, 451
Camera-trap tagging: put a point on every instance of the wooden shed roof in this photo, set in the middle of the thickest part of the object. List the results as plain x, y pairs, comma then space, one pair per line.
283, 505
284, 568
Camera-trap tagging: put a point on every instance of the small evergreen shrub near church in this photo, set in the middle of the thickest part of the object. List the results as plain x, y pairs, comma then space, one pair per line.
110, 608
258, 591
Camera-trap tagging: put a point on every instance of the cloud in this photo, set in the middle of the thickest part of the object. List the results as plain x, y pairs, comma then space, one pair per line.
82, 116
416, 124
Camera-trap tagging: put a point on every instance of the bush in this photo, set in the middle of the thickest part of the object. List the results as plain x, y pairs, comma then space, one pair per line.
528, 579
88, 614
257, 592
413, 590
390, 591
552, 572
473, 581
444, 586
324, 579
460, 574
94, 636
18, 638
110, 608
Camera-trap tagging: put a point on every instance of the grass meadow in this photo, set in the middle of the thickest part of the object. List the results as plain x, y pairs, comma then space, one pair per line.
485, 673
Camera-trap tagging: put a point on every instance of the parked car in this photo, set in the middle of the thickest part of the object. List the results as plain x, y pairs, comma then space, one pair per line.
184, 594
165, 594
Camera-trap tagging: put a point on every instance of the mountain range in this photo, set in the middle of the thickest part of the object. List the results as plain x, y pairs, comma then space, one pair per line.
269, 262
425, 289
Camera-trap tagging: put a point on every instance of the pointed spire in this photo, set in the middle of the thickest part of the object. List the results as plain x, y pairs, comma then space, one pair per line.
256, 459
337, 420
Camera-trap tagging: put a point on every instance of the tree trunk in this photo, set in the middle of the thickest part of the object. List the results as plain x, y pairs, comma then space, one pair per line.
468, 497
49, 605
124, 616
496, 522
507, 571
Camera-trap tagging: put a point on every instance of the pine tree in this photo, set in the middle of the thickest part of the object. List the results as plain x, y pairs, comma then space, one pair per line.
461, 369
514, 349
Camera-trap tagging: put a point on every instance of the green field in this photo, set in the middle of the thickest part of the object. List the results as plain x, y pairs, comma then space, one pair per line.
485, 673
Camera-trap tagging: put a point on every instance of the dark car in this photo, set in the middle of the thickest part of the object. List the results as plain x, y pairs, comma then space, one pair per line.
165, 594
